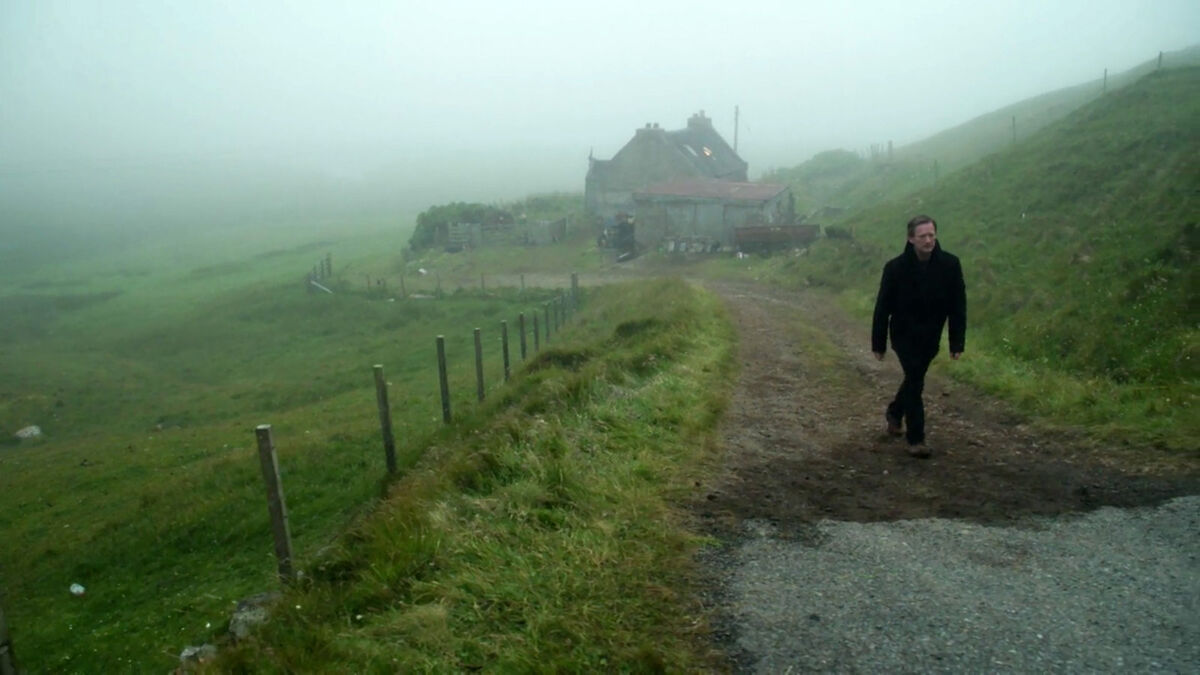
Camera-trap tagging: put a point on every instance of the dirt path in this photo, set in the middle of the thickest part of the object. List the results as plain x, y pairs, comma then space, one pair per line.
805, 445
805, 435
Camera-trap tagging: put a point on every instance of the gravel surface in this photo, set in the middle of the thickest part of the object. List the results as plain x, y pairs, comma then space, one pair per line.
1112, 590
1016, 548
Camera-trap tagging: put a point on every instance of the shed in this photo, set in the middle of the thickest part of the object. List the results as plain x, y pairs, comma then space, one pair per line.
706, 214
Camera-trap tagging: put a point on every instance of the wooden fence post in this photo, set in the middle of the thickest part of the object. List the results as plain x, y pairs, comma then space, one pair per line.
403, 291
385, 419
478, 365
546, 307
329, 265
275, 501
521, 328
537, 347
522, 284
574, 290
445, 383
8, 660
504, 347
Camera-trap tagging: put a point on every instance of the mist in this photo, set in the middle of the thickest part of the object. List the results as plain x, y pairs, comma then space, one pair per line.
118, 120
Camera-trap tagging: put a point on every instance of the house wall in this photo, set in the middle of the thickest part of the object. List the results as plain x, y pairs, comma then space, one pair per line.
661, 218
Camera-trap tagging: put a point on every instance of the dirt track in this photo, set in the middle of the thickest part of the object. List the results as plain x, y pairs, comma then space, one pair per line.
805, 439
805, 449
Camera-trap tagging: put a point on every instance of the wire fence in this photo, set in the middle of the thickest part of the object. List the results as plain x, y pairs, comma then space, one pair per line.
554, 315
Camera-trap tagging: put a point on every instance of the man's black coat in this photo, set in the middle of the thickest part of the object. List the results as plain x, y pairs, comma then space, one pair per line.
915, 299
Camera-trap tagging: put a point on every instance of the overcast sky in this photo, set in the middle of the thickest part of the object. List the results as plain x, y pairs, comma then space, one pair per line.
508, 98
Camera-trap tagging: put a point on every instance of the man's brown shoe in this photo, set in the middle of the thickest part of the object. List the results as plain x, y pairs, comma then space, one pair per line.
893, 425
919, 450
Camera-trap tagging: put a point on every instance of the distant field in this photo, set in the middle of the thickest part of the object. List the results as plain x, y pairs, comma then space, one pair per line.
148, 371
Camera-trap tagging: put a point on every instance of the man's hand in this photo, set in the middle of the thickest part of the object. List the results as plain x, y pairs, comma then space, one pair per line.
955, 355
879, 355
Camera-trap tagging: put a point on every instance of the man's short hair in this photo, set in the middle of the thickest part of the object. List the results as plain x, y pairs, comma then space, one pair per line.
918, 221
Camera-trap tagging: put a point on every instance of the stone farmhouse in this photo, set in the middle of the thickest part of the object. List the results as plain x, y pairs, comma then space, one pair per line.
655, 155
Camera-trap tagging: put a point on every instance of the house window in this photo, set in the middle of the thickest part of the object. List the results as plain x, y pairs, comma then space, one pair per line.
707, 151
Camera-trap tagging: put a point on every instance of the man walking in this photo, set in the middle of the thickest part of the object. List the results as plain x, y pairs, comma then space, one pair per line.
919, 290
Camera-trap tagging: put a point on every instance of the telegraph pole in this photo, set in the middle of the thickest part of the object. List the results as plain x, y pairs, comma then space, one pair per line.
735, 129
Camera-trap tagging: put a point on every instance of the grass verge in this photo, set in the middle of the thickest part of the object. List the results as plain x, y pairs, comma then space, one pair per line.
539, 533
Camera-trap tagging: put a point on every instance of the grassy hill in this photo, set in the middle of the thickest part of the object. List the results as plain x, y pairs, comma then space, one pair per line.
840, 178
149, 371
1080, 248
538, 535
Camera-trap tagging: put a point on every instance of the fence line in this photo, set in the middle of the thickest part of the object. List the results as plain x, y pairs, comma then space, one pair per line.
521, 328
276, 503
479, 365
385, 419
504, 346
268, 459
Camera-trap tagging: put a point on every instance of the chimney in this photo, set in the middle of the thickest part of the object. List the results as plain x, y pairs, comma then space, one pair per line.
699, 120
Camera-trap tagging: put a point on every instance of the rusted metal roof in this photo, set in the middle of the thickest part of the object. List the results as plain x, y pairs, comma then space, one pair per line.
714, 189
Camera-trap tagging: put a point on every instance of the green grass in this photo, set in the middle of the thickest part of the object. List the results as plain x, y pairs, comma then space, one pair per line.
536, 533
148, 373
840, 178
539, 535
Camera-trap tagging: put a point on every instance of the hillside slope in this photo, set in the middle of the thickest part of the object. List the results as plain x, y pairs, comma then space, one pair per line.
842, 179
1080, 253
1082, 244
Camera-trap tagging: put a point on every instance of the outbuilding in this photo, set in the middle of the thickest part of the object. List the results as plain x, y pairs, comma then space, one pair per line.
695, 215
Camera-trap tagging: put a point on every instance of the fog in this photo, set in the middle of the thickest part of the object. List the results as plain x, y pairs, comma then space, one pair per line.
130, 116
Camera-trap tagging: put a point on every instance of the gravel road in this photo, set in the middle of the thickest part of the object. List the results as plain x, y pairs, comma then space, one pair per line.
1015, 549
1112, 590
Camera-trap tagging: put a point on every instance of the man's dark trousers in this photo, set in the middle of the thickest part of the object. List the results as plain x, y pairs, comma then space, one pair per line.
908, 405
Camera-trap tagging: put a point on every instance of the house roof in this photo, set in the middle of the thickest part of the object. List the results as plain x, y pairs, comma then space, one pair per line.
701, 145
698, 146
713, 189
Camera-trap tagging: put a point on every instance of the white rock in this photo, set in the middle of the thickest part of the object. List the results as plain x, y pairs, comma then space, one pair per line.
200, 654
32, 431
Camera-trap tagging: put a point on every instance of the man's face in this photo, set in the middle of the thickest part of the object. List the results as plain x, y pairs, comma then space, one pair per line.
923, 238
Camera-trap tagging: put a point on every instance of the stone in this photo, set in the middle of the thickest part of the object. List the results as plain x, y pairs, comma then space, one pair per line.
250, 612
29, 433
199, 654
